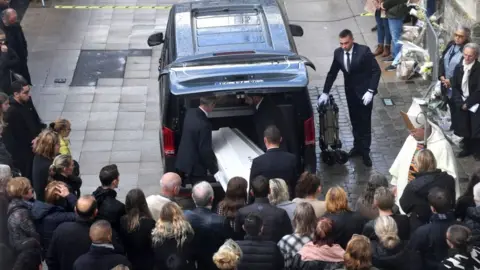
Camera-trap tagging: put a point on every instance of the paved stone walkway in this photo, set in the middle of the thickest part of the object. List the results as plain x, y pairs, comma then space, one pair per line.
118, 119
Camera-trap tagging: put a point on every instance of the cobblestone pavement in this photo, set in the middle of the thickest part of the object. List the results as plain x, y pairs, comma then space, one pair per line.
116, 119
322, 20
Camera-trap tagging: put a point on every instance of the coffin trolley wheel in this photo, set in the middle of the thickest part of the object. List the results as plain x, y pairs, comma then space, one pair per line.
341, 157
328, 157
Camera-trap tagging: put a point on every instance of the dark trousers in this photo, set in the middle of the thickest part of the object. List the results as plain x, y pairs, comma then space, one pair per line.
23, 162
472, 145
22, 69
361, 119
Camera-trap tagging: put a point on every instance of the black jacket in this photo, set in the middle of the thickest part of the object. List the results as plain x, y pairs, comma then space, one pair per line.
461, 260
169, 255
47, 217
364, 74
71, 240
109, 208
259, 254
268, 113
73, 182
441, 65
396, 9
23, 125
20, 223
472, 220
397, 258
138, 243
276, 223
40, 173
414, 198
463, 203
276, 163
100, 258
403, 225
5, 156
346, 224
211, 231
465, 123
429, 240
16, 39
8, 62
195, 153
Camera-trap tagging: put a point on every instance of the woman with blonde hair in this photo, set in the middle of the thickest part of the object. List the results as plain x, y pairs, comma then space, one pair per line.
388, 251
347, 222
19, 221
358, 254
304, 223
322, 252
62, 170
58, 208
63, 127
46, 149
172, 240
280, 197
414, 198
228, 256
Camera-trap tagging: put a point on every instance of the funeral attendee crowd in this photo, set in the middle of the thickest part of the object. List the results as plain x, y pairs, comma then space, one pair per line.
417, 221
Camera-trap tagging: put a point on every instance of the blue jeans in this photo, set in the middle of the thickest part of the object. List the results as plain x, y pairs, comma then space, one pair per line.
396, 27
383, 31
431, 7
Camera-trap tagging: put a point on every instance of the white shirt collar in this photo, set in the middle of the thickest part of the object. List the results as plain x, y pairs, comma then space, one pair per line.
203, 111
258, 104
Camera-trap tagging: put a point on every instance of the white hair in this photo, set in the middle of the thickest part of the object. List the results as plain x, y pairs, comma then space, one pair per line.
202, 194
5, 172
473, 46
278, 191
476, 194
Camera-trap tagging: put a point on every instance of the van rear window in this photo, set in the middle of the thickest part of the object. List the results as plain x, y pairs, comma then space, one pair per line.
224, 101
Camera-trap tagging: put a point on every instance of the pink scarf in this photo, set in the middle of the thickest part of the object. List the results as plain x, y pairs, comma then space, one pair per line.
325, 253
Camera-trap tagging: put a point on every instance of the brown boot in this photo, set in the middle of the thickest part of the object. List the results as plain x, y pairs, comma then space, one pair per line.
379, 50
386, 51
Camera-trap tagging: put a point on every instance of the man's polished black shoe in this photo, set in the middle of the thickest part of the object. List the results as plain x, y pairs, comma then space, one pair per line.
354, 153
367, 161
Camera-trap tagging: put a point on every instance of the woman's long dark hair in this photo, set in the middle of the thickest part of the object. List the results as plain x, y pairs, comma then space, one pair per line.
136, 208
474, 179
376, 180
235, 197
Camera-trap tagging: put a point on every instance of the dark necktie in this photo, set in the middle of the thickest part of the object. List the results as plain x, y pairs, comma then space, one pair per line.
452, 54
348, 62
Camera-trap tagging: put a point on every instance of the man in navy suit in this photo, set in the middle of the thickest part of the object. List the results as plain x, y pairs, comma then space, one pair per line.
275, 163
362, 74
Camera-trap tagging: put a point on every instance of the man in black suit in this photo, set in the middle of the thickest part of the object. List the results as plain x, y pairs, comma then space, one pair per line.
195, 154
276, 225
275, 163
362, 74
211, 230
266, 113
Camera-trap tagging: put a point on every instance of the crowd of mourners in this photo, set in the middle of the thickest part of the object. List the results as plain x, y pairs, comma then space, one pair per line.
63, 229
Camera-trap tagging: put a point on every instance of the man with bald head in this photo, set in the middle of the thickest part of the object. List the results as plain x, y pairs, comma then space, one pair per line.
101, 255
170, 186
16, 40
72, 239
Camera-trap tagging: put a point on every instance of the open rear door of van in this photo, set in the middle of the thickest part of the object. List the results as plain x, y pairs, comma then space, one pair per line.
235, 153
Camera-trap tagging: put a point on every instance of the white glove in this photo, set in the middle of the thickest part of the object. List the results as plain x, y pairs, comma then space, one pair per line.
367, 98
322, 99
219, 176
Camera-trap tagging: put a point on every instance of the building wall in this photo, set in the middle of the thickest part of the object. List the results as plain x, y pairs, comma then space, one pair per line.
454, 15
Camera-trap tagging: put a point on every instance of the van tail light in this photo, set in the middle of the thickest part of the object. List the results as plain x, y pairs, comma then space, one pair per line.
168, 141
309, 131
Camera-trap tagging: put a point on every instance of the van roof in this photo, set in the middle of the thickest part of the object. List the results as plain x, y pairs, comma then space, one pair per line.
223, 26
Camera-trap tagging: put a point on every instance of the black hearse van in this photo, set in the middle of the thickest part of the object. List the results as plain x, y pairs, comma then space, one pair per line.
233, 48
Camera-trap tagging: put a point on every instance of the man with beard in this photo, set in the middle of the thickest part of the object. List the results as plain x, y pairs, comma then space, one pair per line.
16, 41
23, 126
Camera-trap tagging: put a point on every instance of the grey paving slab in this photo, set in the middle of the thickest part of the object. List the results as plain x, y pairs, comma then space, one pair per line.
99, 135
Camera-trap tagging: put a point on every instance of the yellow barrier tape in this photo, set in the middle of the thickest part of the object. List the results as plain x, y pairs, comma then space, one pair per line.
110, 7
367, 14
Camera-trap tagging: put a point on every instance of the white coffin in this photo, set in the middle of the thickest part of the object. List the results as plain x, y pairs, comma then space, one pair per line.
235, 153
